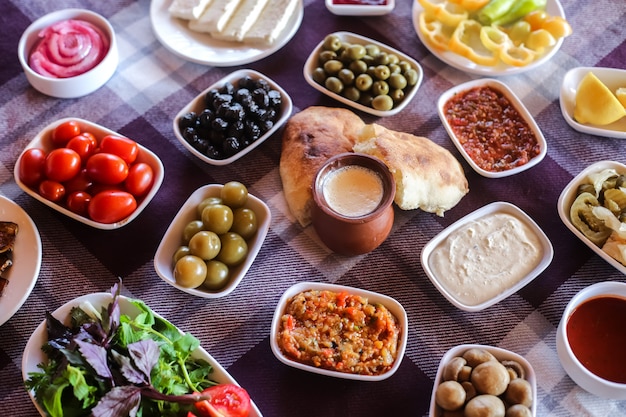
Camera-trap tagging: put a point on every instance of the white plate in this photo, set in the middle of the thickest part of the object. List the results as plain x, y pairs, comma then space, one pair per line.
197, 105
173, 237
391, 304
519, 106
23, 274
567, 197
611, 77
501, 355
485, 211
201, 48
457, 61
33, 355
312, 60
360, 9
43, 141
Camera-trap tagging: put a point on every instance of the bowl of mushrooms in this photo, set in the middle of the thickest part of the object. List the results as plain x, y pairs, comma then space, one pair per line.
479, 380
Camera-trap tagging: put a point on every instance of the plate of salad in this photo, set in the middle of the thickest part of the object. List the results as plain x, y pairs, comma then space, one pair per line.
104, 354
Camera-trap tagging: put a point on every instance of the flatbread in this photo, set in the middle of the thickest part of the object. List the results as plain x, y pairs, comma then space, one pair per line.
310, 138
427, 175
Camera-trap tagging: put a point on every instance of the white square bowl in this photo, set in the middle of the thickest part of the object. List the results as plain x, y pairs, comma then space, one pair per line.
391, 304
567, 197
352, 38
501, 355
515, 102
547, 253
43, 141
197, 105
172, 240
362, 8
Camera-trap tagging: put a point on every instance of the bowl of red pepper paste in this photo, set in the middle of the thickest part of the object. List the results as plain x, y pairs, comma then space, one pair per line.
491, 128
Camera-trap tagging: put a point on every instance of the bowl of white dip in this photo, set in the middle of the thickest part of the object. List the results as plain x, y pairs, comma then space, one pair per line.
486, 256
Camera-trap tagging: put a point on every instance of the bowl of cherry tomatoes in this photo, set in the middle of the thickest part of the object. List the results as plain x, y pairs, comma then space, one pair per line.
89, 173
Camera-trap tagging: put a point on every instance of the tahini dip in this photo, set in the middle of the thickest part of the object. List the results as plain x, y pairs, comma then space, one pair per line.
484, 257
353, 190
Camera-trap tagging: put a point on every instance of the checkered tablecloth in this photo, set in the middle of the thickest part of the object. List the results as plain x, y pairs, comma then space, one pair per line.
150, 86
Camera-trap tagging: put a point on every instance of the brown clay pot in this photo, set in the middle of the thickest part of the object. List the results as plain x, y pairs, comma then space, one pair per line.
353, 235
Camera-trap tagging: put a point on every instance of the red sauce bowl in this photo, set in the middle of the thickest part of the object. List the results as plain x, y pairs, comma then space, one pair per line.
596, 309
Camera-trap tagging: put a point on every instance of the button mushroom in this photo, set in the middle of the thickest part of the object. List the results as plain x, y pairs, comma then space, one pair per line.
519, 391
476, 356
490, 377
485, 406
518, 410
453, 368
450, 395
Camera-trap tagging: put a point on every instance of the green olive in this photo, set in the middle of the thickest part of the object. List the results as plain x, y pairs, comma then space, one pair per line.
368, 59
382, 102
190, 271
205, 245
346, 77
217, 218
404, 66
363, 82
207, 202
327, 56
191, 229
366, 99
333, 66
382, 72
234, 249
382, 59
392, 59
332, 43
395, 69
397, 95
358, 67
234, 194
411, 77
372, 50
380, 88
180, 252
397, 81
217, 275
245, 222
319, 75
334, 84
352, 93
356, 51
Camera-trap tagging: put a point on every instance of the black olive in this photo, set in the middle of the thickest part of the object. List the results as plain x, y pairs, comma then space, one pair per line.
246, 82
219, 124
266, 125
187, 120
205, 118
212, 152
209, 98
227, 88
252, 130
241, 94
189, 134
261, 98
235, 129
261, 83
276, 99
230, 146
221, 99
200, 144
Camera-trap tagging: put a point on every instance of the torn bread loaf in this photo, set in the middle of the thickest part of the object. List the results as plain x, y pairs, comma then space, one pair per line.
427, 175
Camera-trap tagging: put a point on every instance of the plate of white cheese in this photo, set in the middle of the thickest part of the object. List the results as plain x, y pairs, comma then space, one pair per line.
224, 33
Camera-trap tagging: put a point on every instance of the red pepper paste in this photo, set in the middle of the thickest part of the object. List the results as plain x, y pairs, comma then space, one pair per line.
490, 129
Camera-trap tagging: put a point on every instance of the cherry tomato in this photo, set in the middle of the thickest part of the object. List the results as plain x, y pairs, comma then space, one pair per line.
107, 168
139, 180
91, 138
125, 148
62, 164
83, 146
64, 132
226, 400
32, 166
78, 201
51, 190
111, 206
79, 182
190, 414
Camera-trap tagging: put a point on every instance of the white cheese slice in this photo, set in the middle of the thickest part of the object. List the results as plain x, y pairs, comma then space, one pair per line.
188, 9
271, 22
242, 20
215, 16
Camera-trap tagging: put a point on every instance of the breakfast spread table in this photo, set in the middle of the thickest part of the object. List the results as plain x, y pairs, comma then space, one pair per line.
157, 77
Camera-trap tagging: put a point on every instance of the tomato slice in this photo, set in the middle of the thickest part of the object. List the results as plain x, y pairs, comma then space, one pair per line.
226, 400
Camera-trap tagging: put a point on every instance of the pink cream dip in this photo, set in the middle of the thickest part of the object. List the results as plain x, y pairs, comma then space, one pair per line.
68, 48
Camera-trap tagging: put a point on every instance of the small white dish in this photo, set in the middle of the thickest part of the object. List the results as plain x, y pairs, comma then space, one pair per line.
23, 274
43, 141
517, 104
500, 354
584, 378
33, 355
201, 48
360, 8
163, 258
391, 304
312, 63
547, 253
197, 105
79, 85
567, 197
613, 78
553, 7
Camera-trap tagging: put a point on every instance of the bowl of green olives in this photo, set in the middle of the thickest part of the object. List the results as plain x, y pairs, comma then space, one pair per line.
363, 73
232, 117
213, 240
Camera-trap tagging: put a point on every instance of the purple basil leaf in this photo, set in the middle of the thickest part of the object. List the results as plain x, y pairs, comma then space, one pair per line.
119, 402
145, 354
132, 374
96, 356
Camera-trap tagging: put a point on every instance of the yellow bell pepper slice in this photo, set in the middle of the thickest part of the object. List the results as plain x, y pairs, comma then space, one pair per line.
447, 12
438, 34
493, 38
540, 39
473, 5
466, 42
517, 56
557, 26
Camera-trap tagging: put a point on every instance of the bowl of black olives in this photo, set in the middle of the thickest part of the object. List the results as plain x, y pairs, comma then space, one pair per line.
363, 73
232, 117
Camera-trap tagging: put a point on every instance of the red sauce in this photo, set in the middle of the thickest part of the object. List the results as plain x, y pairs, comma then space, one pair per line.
362, 2
597, 336
492, 132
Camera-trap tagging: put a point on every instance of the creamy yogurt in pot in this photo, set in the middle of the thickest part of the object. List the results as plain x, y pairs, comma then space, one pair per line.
353, 190
484, 257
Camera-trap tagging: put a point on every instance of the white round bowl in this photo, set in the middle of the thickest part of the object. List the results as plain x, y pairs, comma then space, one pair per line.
575, 369
79, 85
